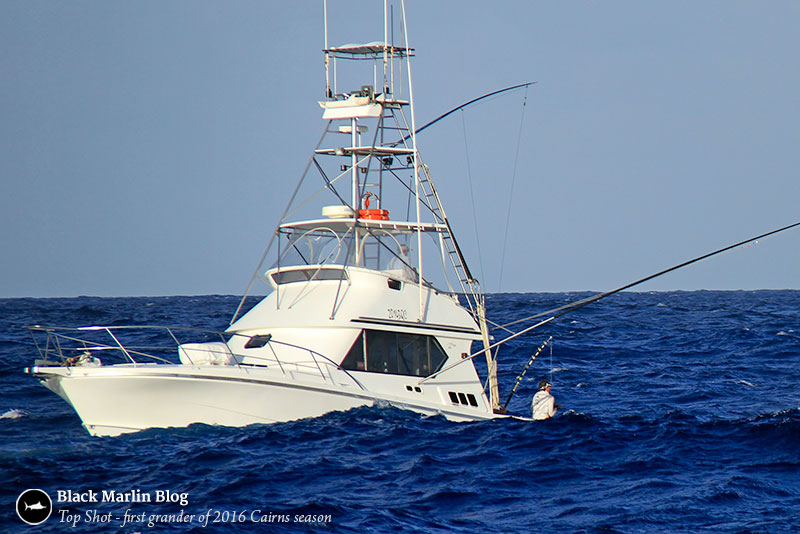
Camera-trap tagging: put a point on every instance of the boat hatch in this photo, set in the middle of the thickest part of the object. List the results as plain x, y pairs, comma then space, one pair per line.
256, 342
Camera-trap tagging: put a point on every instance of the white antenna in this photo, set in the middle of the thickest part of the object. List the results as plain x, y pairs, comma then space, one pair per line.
385, 44
416, 160
327, 58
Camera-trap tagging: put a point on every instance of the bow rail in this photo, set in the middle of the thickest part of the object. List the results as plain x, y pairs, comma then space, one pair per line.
167, 345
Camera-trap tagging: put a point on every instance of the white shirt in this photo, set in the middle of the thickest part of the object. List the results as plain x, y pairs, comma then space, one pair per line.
543, 405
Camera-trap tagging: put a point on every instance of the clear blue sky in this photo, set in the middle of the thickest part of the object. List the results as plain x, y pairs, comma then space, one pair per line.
148, 148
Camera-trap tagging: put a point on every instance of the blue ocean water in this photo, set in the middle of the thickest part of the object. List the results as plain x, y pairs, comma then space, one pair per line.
681, 413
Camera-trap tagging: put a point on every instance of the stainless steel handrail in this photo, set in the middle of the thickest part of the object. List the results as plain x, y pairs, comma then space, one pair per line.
61, 341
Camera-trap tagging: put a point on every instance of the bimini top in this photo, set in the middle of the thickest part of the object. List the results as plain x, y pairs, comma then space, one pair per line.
371, 50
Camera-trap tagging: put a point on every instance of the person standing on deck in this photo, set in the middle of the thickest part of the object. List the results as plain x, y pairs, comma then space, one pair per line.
544, 404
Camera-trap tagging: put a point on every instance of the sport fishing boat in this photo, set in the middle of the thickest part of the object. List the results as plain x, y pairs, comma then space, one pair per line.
369, 298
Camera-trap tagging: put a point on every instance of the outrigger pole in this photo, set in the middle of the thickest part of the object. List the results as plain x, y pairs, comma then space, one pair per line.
462, 106
555, 313
581, 303
465, 104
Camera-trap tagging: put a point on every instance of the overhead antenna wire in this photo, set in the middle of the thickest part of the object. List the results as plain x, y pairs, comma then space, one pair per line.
511, 192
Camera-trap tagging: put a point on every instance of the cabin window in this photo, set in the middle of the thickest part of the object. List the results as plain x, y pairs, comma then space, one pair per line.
395, 353
304, 275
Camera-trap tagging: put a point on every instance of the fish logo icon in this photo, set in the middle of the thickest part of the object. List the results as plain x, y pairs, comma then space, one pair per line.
34, 506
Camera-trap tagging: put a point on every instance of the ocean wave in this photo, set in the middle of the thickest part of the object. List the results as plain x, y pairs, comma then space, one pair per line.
784, 415
14, 413
662, 430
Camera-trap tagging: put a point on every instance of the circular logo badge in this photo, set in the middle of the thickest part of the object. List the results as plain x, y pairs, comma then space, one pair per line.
34, 506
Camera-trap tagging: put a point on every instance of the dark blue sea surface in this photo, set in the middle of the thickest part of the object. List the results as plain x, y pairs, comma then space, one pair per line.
681, 413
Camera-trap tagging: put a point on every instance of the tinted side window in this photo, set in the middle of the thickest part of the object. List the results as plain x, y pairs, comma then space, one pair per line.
394, 353
355, 359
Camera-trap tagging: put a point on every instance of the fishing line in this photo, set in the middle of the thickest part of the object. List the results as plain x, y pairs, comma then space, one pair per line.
472, 195
511, 192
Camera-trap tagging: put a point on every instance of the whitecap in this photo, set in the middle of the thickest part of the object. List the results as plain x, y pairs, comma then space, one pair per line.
746, 383
558, 369
14, 414
782, 333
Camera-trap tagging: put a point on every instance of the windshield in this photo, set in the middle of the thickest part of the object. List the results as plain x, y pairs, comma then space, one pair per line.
391, 251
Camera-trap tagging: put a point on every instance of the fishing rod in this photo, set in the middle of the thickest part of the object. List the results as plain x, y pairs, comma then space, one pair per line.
522, 374
462, 106
567, 308
555, 313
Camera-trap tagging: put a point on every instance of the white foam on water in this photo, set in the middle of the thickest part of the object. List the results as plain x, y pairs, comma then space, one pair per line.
14, 414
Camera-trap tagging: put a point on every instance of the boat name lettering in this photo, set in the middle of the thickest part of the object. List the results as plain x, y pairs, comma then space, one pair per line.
398, 313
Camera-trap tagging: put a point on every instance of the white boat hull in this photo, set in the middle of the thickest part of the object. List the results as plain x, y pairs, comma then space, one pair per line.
114, 400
